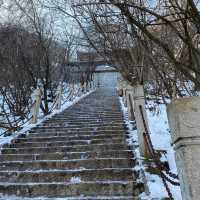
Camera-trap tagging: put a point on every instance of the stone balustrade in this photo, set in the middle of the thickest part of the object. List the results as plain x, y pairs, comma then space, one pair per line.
133, 98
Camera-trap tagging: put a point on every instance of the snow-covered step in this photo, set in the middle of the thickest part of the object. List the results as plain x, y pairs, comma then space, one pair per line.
49, 176
70, 117
74, 188
78, 148
78, 129
63, 137
81, 125
94, 115
68, 164
91, 116
67, 155
94, 132
84, 120
93, 112
71, 120
66, 143
81, 197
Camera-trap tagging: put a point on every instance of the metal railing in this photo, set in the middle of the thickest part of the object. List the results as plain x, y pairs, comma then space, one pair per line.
164, 173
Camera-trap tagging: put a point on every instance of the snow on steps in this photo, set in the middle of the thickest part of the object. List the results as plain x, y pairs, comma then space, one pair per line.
67, 155
73, 198
78, 154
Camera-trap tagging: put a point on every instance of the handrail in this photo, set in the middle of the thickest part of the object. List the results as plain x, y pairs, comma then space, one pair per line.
157, 161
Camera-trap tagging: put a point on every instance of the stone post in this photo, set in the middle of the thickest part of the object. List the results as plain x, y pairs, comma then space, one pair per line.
95, 80
130, 101
184, 121
37, 96
119, 88
124, 86
93, 83
78, 88
59, 96
85, 87
139, 101
82, 87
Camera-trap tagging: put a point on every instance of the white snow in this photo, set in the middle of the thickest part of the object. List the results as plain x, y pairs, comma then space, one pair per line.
75, 180
66, 198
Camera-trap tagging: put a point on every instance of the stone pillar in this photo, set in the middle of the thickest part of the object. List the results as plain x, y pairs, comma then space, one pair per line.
37, 96
124, 86
79, 89
93, 82
87, 86
184, 121
139, 100
59, 96
130, 101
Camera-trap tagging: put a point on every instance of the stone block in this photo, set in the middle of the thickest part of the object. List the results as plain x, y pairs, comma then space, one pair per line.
184, 121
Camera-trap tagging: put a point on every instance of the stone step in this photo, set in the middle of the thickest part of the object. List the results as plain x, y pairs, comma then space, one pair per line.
84, 124
83, 118
52, 129
81, 197
95, 189
78, 148
89, 116
80, 125
93, 111
75, 133
65, 137
64, 143
67, 164
45, 176
95, 114
67, 155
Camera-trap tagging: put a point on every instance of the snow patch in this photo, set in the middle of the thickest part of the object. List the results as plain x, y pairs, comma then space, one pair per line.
75, 180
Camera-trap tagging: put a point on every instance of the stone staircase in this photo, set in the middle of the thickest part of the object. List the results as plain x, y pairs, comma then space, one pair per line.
79, 154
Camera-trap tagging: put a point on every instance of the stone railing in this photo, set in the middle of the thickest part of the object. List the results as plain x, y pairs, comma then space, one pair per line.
184, 121
59, 93
133, 98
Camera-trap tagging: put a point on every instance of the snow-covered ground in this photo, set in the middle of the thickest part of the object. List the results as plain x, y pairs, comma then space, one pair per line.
161, 139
